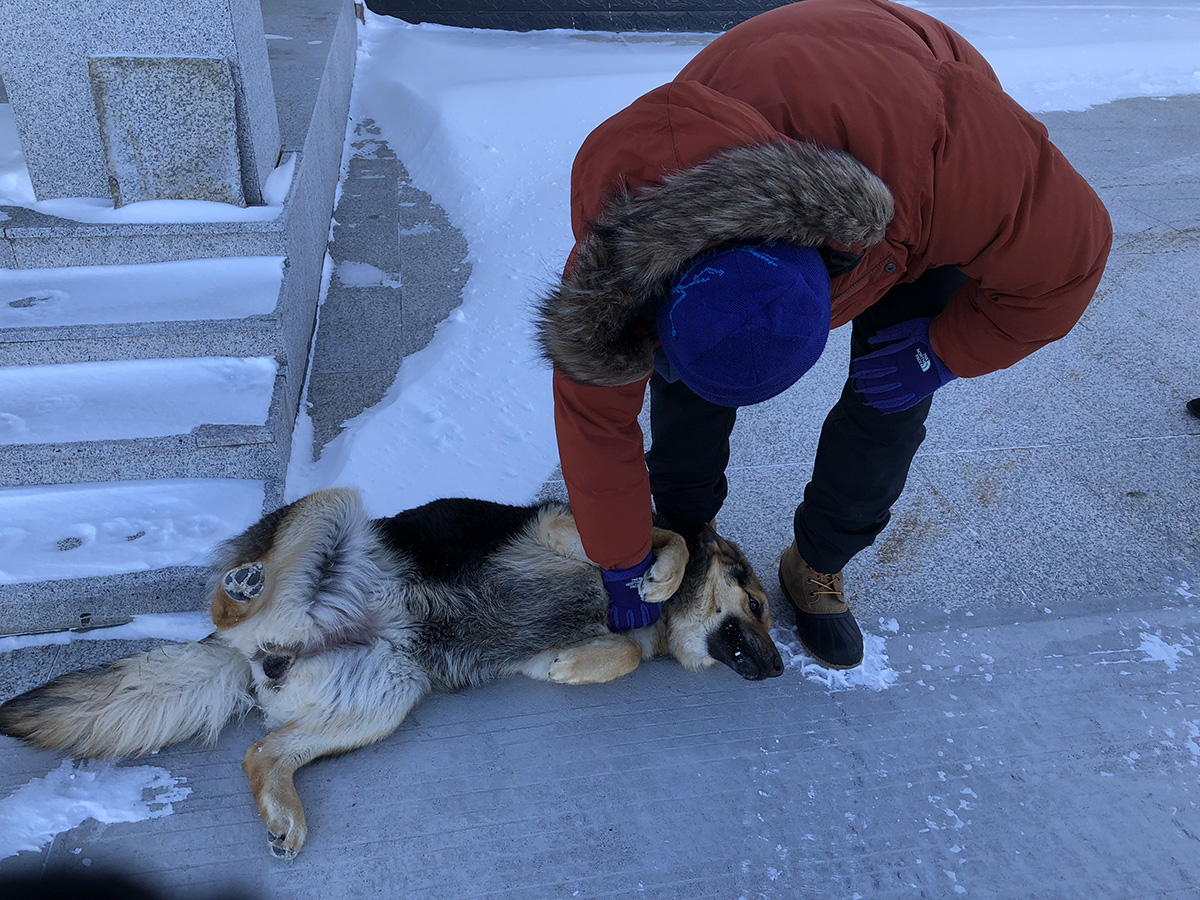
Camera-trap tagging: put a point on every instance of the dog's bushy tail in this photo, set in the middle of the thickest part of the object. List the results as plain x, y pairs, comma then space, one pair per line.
135, 705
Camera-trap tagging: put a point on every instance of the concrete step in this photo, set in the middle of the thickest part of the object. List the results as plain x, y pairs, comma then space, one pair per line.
211, 307
159, 370
162, 418
90, 285
98, 401
94, 554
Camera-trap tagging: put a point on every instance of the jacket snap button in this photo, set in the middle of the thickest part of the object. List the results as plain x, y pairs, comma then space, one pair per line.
890, 267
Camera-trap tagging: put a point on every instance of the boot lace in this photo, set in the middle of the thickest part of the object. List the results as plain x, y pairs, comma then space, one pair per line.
826, 584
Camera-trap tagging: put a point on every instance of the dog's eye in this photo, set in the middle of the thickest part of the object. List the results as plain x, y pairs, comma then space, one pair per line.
755, 608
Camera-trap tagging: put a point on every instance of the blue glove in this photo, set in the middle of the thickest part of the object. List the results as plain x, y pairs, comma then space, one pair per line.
626, 609
902, 374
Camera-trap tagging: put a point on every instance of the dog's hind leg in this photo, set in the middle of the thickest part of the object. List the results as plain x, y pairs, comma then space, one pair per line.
603, 658
339, 701
271, 763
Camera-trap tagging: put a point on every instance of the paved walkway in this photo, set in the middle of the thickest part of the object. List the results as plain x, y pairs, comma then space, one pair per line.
1027, 727
400, 269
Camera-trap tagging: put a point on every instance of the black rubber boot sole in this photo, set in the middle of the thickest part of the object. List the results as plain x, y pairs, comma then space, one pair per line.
832, 639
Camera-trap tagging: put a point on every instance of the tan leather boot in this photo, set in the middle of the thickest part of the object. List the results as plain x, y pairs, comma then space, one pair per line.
823, 619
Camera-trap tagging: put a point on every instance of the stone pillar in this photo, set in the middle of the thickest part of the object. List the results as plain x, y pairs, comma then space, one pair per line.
141, 99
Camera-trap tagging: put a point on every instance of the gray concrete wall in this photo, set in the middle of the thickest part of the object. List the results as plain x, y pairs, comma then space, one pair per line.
44, 51
317, 183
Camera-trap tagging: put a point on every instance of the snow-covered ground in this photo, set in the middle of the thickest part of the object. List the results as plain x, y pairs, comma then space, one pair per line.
487, 123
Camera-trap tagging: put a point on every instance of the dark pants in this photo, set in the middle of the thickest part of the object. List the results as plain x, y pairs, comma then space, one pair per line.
863, 456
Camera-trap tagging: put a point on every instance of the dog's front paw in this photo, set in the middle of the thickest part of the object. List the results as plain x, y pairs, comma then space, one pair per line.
604, 658
670, 561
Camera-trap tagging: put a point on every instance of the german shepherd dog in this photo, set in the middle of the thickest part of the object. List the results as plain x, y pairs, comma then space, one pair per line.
336, 625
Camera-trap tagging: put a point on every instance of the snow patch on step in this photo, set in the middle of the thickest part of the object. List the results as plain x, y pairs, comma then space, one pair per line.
80, 530
129, 399
187, 290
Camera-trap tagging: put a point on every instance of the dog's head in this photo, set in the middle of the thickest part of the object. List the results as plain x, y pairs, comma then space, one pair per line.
721, 612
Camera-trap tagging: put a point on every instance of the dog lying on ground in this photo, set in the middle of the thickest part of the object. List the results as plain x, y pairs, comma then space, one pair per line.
336, 625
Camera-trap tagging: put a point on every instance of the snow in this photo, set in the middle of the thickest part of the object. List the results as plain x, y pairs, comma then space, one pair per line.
74, 531
175, 627
1158, 650
17, 190
360, 274
486, 122
874, 673
15, 186
229, 288
135, 398
1053, 56
31, 816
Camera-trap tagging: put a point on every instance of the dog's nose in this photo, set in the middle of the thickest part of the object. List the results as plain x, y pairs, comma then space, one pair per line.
776, 667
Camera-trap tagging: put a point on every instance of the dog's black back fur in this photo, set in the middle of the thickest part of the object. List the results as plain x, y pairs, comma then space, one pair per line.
488, 603
448, 537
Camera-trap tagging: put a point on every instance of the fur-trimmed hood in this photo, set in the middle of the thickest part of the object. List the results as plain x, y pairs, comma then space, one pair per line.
597, 326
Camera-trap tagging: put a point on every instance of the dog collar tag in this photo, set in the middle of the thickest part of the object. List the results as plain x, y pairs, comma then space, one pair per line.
245, 582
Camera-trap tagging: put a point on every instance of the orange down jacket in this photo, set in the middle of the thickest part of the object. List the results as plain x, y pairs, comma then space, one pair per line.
857, 124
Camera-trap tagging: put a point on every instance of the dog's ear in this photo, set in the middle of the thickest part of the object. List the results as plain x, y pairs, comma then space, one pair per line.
701, 540
718, 545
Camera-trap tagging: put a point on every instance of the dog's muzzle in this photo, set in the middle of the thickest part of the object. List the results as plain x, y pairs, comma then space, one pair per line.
751, 655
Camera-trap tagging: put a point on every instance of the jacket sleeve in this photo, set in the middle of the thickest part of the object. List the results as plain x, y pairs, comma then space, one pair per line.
604, 467
1030, 234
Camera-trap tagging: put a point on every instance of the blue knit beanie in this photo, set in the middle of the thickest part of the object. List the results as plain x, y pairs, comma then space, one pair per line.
745, 321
